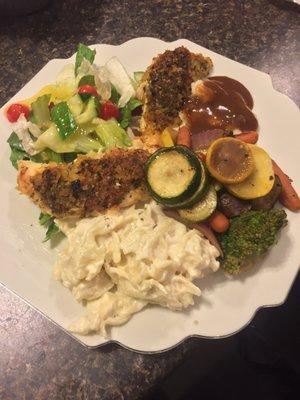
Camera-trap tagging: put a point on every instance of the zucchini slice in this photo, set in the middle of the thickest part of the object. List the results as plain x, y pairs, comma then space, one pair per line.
201, 210
200, 191
173, 175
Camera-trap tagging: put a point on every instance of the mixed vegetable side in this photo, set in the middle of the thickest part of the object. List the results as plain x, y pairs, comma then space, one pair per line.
225, 184
89, 108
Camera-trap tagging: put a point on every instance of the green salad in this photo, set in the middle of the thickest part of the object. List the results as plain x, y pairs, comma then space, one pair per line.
88, 108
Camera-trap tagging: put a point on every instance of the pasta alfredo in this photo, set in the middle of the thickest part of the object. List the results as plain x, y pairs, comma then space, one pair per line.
119, 262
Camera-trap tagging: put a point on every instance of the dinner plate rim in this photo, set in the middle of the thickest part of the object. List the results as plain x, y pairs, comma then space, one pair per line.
118, 343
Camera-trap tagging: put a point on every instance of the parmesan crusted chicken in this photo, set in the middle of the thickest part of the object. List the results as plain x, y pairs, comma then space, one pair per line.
90, 185
165, 88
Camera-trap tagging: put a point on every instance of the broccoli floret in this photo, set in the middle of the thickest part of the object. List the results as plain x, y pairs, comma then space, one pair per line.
249, 236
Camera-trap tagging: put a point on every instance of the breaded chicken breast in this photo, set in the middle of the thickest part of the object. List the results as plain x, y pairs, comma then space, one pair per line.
165, 88
91, 184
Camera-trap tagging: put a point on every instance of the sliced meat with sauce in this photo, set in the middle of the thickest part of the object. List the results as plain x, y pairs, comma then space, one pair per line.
268, 201
232, 206
88, 186
203, 139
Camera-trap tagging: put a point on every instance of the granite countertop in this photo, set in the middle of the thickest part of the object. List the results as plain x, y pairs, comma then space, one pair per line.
38, 360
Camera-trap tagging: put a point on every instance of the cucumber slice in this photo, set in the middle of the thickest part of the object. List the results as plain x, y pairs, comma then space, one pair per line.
40, 111
173, 174
63, 119
201, 210
75, 105
90, 112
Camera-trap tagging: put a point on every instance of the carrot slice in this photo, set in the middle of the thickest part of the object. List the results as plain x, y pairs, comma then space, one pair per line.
218, 222
288, 197
201, 155
184, 136
247, 137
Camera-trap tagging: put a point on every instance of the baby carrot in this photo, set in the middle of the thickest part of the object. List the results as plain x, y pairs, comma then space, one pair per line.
288, 197
248, 137
218, 222
184, 136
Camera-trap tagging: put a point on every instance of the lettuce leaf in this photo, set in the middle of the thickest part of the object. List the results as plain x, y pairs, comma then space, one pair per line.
120, 79
87, 80
114, 96
112, 134
102, 82
52, 231
84, 52
48, 221
49, 155
24, 130
18, 153
69, 157
44, 218
126, 112
15, 142
40, 111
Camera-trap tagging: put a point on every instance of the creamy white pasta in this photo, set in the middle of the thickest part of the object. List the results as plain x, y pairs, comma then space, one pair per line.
119, 262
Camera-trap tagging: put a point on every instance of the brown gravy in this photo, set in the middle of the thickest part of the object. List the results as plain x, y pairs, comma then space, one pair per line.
227, 105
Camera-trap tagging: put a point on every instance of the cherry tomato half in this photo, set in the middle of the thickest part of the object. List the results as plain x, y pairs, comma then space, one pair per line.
109, 110
15, 110
87, 91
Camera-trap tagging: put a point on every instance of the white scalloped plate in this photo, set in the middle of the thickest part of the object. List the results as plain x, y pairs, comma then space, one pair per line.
226, 305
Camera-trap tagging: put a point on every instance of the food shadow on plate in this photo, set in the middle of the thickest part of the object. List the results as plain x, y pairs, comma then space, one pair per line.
56, 240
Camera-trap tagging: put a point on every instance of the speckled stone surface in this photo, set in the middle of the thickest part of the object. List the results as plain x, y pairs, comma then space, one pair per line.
37, 360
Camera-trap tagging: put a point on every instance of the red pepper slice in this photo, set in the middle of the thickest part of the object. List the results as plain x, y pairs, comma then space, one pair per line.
109, 110
87, 91
15, 110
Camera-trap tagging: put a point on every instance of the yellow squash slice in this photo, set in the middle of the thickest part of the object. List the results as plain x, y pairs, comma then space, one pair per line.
58, 93
229, 160
260, 182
